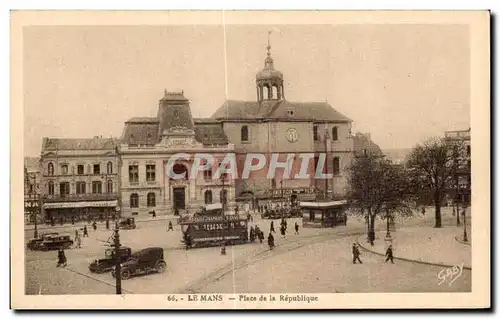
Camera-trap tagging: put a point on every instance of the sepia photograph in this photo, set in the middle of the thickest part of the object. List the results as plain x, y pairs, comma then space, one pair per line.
244, 159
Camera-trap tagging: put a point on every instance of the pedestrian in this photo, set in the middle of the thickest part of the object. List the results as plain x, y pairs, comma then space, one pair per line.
389, 254
85, 231
283, 231
345, 219
270, 241
78, 241
423, 210
61, 258
272, 227
170, 226
176, 212
72, 220
107, 223
94, 225
252, 234
76, 233
223, 249
153, 213
355, 254
261, 236
296, 228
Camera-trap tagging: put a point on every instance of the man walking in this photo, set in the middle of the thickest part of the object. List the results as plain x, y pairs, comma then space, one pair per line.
272, 227
389, 254
170, 226
355, 254
85, 231
296, 228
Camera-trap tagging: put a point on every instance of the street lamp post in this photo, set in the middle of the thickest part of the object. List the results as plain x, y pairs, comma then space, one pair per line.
118, 266
464, 204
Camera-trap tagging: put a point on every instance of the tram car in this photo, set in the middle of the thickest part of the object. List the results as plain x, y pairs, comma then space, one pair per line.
206, 230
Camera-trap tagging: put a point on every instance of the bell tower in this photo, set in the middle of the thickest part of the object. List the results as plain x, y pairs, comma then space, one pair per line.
269, 81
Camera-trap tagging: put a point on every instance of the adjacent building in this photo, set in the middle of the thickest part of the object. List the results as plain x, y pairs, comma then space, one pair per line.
461, 193
79, 178
32, 178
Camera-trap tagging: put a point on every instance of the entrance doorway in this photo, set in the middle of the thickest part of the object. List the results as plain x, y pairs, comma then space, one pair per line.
179, 198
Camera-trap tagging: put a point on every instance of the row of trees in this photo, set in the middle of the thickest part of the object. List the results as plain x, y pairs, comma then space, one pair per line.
380, 188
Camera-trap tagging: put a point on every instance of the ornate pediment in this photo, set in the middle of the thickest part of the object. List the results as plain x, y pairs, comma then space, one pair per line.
180, 142
178, 130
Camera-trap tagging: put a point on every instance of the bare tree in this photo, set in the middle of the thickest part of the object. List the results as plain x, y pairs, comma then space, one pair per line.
376, 186
432, 168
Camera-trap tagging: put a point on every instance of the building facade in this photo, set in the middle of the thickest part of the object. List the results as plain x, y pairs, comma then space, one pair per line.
79, 178
461, 192
273, 125
31, 189
149, 146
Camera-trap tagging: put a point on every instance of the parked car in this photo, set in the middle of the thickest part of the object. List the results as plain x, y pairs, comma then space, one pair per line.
142, 262
34, 244
55, 242
107, 263
127, 223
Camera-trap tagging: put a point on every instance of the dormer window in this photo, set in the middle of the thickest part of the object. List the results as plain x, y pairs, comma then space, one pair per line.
290, 112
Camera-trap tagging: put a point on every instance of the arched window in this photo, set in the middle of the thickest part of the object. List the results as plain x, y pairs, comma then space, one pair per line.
335, 134
134, 200
109, 186
51, 188
244, 133
109, 168
315, 133
336, 166
151, 200
223, 196
50, 169
208, 197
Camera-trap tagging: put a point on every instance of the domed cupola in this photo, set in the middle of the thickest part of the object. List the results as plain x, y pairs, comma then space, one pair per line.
269, 81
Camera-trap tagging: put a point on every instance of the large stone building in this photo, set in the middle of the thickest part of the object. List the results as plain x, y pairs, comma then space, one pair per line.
147, 146
79, 178
272, 124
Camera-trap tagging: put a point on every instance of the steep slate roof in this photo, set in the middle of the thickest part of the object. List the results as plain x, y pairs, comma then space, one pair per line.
210, 134
144, 130
140, 132
95, 143
277, 109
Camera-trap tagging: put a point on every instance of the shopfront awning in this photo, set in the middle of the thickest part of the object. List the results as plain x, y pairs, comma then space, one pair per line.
111, 203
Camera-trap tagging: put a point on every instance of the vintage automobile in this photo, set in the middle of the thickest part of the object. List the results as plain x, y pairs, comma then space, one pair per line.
34, 244
53, 242
276, 213
107, 263
143, 262
127, 223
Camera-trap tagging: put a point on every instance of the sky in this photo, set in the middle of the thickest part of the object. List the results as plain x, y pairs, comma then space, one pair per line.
400, 83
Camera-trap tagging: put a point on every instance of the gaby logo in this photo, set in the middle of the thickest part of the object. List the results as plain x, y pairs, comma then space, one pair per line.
250, 166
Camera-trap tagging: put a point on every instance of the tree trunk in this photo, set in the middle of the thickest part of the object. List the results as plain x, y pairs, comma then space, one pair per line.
458, 214
437, 205
372, 222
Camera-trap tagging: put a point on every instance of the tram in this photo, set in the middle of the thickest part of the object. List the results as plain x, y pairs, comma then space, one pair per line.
206, 230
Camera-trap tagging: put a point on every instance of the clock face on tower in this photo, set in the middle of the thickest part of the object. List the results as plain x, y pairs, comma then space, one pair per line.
292, 135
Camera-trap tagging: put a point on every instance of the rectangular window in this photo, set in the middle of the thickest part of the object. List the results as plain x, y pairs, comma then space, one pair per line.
97, 169
80, 188
64, 169
64, 188
315, 133
133, 173
150, 172
96, 187
79, 170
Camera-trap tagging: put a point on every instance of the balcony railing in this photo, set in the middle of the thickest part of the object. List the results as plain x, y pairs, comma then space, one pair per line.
79, 197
